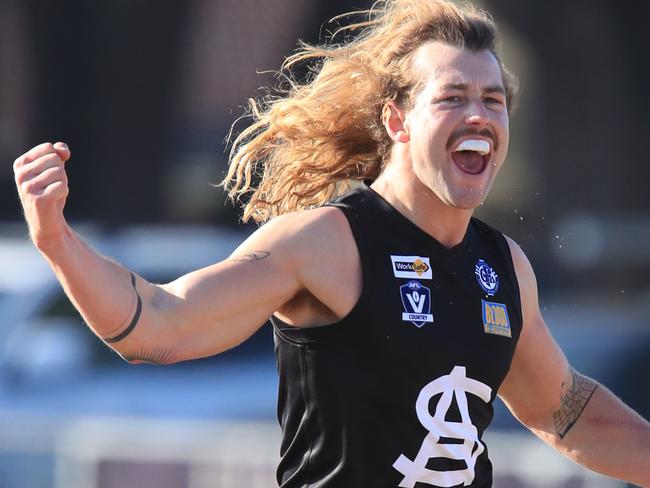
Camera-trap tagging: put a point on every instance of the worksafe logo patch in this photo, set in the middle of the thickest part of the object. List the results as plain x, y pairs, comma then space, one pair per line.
495, 319
410, 267
416, 299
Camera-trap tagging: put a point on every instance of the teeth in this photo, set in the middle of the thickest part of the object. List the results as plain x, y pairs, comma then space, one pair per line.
480, 146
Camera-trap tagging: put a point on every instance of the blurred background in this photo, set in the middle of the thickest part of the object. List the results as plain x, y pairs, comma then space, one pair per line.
144, 93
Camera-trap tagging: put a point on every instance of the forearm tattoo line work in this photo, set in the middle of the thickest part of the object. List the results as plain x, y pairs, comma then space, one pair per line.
576, 393
136, 317
249, 257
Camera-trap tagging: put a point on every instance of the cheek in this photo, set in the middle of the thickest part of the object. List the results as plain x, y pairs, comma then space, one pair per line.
435, 130
503, 132
505, 141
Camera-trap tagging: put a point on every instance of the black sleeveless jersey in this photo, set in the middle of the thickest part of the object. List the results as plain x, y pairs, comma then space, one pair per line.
399, 392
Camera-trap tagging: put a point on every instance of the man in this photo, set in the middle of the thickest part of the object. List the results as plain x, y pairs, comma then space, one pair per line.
397, 316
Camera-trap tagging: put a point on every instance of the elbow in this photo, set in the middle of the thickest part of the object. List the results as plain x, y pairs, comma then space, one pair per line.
151, 355
542, 425
150, 343
158, 354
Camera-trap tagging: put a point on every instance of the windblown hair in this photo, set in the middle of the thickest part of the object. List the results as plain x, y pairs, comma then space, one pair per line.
310, 143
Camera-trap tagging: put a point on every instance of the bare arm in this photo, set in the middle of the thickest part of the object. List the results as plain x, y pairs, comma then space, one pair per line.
199, 314
571, 412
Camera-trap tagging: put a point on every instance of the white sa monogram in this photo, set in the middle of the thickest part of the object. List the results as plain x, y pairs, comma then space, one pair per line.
456, 384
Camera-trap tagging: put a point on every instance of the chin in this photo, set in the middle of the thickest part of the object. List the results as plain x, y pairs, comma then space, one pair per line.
467, 200
470, 197
466, 205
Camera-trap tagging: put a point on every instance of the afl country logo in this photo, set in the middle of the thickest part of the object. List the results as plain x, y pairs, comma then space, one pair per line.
416, 299
486, 277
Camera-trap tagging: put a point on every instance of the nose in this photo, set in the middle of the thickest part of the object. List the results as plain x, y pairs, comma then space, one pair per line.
476, 114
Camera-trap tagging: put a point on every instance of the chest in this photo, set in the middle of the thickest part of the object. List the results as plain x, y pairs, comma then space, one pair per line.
429, 314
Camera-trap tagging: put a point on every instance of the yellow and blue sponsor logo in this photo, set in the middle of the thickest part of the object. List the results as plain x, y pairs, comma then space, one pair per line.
495, 319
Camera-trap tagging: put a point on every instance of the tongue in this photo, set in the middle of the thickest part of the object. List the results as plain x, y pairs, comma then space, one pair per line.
469, 161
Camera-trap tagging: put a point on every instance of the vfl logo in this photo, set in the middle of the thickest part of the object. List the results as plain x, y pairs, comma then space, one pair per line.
487, 277
411, 267
416, 299
457, 385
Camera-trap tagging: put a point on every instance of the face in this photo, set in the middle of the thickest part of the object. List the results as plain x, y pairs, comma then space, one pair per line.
458, 124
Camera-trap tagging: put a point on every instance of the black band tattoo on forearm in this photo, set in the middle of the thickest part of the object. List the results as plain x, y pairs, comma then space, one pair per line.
249, 257
575, 397
151, 355
136, 317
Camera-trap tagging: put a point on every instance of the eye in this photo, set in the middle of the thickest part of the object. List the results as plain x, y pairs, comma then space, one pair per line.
451, 99
494, 101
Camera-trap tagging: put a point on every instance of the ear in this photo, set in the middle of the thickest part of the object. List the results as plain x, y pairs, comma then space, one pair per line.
394, 119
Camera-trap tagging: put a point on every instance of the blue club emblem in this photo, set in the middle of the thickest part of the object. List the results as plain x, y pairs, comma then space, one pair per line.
416, 299
486, 277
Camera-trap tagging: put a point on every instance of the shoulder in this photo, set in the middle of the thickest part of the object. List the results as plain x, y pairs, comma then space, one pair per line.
314, 249
305, 239
297, 229
520, 261
526, 279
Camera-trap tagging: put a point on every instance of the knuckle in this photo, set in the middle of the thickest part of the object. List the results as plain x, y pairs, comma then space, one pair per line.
18, 163
29, 187
48, 159
59, 191
57, 174
19, 175
52, 172
41, 200
56, 160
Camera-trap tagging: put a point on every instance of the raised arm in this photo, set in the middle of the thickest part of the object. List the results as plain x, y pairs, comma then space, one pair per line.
571, 412
199, 314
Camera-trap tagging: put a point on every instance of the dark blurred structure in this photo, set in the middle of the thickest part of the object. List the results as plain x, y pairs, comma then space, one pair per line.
144, 92
586, 106
101, 77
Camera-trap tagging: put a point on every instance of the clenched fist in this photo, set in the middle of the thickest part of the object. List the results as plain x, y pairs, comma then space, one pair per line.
43, 188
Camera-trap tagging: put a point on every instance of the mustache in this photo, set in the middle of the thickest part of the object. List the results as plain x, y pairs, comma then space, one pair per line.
468, 131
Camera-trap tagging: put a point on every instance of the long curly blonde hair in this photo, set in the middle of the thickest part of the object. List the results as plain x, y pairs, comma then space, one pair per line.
310, 142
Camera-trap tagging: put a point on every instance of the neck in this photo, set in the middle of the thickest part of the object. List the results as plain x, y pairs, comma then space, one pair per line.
399, 186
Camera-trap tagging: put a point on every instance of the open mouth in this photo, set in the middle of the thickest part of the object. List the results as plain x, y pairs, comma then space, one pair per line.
472, 155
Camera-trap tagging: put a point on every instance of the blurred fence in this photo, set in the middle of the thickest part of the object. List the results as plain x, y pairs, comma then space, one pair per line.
54, 452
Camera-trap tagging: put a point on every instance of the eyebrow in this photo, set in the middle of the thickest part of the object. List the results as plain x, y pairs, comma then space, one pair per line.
465, 86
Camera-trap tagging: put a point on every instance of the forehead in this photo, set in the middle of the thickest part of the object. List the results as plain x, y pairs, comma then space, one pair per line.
438, 64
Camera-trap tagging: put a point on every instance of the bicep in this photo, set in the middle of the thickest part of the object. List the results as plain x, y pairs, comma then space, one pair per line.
220, 306
217, 307
532, 389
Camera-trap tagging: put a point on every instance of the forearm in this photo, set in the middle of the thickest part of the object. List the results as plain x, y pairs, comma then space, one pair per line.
104, 292
597, 430
109, 298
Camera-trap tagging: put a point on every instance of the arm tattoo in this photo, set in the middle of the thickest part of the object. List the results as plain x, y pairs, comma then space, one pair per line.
576, 393
151, 355
136, 317
249, 257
